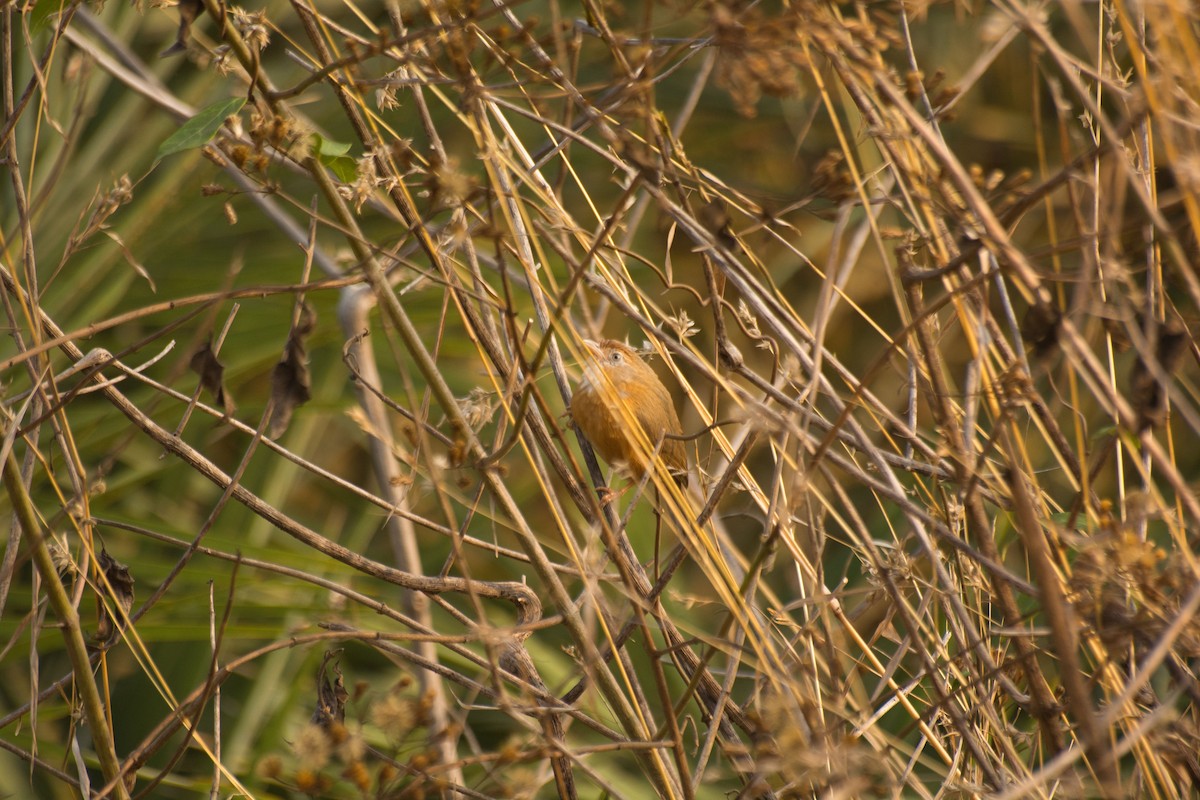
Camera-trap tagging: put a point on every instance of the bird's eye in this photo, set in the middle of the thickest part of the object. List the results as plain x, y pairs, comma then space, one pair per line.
615, 357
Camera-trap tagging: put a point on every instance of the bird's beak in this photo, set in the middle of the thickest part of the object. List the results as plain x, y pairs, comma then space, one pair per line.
594, 347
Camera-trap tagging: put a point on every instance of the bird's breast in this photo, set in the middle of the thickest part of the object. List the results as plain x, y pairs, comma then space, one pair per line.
606, 412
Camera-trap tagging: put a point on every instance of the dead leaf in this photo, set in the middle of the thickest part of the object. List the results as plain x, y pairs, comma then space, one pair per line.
291, 382
1146, 394
212, 376
117, 576
715, 218
189, 10
331, 694
1040, 327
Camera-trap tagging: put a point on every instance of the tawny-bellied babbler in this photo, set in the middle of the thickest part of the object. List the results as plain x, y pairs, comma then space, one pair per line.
619, 388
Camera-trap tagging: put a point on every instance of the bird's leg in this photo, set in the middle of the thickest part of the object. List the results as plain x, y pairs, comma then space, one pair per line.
607, 496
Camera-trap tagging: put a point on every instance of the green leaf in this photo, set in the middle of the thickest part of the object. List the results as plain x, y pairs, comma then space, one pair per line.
333, 155
344, 167
330, 148
1062, 518
200, 129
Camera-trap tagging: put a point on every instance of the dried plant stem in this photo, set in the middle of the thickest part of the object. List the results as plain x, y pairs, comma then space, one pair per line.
85, 683
1064, 630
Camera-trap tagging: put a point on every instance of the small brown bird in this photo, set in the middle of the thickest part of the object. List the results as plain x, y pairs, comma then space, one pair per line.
619, 388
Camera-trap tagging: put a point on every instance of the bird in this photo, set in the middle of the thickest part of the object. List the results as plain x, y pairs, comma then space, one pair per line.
619, 388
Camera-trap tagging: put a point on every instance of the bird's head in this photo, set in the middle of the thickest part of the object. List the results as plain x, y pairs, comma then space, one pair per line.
618, 362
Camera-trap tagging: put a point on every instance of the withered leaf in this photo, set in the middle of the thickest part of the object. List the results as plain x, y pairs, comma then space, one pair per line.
715, 217
1146, 394
212, 376
188, 11
1040, 327
290, 380
331, 694
117, 576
